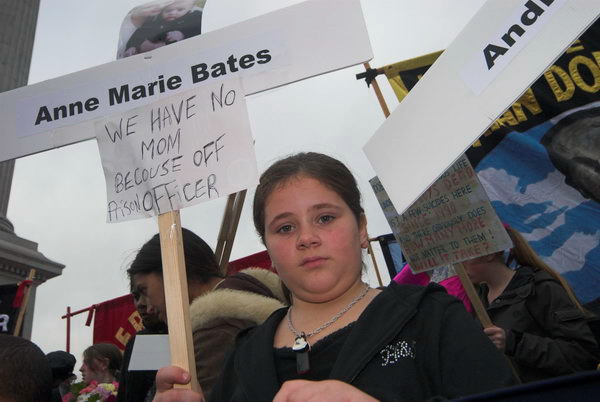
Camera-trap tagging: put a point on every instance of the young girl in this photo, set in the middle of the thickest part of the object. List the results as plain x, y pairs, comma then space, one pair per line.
341, 339
538, 321
98, 373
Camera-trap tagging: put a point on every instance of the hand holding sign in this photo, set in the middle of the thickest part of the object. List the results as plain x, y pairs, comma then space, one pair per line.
180, 151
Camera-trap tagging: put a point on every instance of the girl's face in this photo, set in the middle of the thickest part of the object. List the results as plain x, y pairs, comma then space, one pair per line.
477, 268
313, 239
92, 370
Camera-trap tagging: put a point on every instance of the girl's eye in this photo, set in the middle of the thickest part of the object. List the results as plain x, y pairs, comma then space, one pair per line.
326, 218
285, 229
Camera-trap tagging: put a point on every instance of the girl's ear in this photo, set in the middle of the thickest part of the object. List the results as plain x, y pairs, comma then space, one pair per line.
362, 231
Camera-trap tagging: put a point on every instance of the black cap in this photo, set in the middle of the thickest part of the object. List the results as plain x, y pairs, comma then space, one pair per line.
62, 364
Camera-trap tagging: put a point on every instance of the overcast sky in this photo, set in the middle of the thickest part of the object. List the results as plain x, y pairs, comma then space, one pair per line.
58, 197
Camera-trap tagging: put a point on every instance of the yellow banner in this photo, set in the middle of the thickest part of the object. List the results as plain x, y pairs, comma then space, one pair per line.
393, 72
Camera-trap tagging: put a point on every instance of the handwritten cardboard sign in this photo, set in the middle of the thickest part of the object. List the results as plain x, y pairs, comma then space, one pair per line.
452, 221
180, 151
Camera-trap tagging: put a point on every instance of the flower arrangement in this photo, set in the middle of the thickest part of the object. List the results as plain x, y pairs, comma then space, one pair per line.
92, 392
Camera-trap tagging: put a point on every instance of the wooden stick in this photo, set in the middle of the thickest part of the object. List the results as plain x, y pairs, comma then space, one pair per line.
386, 113
370, 251
222, 238
233, 225
23, 307
483, 316
380, 98
176, 296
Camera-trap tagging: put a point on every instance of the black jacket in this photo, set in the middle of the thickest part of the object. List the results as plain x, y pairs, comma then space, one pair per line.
410, 343
546, 335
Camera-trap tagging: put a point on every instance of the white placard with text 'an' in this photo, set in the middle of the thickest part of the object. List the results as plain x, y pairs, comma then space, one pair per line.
496, 52
443, 115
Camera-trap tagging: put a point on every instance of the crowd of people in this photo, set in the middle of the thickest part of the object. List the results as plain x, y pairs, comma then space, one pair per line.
316, 330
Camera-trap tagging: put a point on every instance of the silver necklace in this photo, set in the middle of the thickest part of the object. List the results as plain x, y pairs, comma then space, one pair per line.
301, 345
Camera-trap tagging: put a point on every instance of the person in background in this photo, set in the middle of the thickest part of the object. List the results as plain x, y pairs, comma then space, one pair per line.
62, 364
101, 363
220, 307
179, 20
182, 20
25, 374
134, 385
341, 339
538, 322
146, 13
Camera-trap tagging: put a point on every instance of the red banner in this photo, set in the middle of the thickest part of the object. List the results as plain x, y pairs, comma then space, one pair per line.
116, 321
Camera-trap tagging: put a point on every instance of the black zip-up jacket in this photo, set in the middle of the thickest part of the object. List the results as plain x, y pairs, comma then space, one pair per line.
411, 343
546, 334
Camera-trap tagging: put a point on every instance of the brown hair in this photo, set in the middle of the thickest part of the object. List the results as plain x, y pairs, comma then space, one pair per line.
103, 351
329, 171
524, 254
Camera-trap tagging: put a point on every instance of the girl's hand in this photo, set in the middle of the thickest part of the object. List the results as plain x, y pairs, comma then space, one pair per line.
328, 390
497, 335
166, 378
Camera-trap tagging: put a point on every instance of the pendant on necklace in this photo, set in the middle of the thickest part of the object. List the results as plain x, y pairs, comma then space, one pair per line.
301, 347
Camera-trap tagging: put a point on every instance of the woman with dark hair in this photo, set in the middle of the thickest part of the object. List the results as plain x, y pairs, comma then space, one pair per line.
341, 339
220, 307
538, 322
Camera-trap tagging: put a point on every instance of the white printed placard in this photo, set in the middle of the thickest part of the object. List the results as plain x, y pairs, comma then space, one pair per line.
528, 18
454, 116
183, 150
286, 45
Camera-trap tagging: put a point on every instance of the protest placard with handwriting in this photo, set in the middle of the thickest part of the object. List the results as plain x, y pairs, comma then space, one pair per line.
452, 221
180, 151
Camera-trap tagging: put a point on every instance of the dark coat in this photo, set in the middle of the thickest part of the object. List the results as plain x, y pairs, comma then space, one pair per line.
546, 335
410, 343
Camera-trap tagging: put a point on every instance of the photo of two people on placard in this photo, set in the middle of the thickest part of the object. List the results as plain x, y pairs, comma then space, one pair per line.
158, 23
